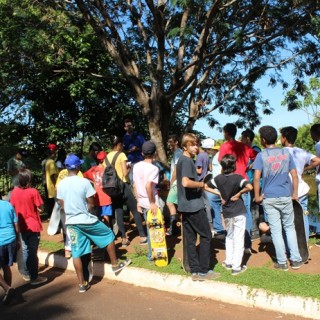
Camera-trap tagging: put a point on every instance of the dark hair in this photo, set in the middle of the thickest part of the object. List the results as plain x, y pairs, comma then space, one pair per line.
95, 146
248, 133
174, 137
269, 134
231, 129
61, 156
315, 129
116, 140
127, 120
228, 163
24, 178
290, 133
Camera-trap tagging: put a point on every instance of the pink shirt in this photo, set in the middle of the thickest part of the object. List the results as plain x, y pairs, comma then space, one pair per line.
25, 203
242, 152
144, 172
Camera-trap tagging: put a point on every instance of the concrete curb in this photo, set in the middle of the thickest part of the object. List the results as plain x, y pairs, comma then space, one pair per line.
228, 293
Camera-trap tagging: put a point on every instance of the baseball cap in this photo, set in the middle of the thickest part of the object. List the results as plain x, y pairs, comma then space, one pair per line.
23, 152
207, 143
72, 162
148, 148
101, 155
52, 147
216, 147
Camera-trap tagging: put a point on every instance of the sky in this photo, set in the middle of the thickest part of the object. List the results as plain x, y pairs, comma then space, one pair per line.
278, 119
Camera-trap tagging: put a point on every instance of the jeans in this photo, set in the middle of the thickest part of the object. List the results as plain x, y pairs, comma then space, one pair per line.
194, 223
144, 211
247, 237
208, 209
235, 240
304, 204
29, 244
280, 215
129, 199
215, 203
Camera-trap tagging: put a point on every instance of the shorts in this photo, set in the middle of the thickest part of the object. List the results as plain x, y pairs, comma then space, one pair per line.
173, 194
106, 210
8, 254
81, 236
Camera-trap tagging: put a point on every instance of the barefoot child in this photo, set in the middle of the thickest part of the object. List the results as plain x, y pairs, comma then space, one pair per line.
231, 186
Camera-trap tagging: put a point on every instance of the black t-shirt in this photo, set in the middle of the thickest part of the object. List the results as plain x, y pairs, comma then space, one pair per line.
189, 199
229, 185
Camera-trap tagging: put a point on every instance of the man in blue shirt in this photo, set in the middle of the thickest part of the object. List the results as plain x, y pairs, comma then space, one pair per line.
274, 165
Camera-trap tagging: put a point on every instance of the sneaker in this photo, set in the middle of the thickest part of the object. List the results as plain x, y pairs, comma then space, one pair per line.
38, 281
295, 265
145, 241
227, 266
281, 266
212, 233
195, 277
121, 265
84, 287
169, 232
317, 244
210, 275
248, 251
236, 272
7, 298
26, 277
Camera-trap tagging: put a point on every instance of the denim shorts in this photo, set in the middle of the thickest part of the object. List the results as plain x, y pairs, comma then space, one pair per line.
8, 254
81, 236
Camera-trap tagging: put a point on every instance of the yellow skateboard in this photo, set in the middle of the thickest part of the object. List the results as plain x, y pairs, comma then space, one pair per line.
155, 225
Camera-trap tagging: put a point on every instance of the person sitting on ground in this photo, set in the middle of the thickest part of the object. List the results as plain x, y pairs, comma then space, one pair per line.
274, 165
102, 200
145, 180
76, 197
28, 205
192, 208
231, 186
127, 197
9, 243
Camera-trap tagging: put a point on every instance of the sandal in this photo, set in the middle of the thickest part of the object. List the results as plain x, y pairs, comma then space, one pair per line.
125, 243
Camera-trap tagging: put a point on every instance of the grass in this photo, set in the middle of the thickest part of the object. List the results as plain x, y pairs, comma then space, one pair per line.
51, 246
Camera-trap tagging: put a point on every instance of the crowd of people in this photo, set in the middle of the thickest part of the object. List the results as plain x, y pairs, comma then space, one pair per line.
249, 195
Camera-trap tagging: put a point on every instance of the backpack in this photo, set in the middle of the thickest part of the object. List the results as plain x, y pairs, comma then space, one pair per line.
111, 184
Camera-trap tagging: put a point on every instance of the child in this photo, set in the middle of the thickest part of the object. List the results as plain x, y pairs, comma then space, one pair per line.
145, 179
9, 231
274, 166
28, 205
231, 186
191, 206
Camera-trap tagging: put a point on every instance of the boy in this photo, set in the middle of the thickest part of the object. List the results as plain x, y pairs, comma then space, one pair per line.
274, 165
145, 180
231, 186
75, 195
9, 239
191, 206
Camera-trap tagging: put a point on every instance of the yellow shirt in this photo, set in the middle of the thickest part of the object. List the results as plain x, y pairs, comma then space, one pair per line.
51, 169
63, 173
122, 157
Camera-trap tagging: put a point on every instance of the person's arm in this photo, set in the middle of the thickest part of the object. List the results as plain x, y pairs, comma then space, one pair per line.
40, 208
210, 164
125, 169
90, 204
174, 175
256, 186
152, 200
61, 203
315, 161
188, 183
247, 188
295, 183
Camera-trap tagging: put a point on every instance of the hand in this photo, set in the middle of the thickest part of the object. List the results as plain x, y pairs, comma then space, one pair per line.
259, 199
134, 148
295, 197
236, 197
153, 208
139, 209
223, 202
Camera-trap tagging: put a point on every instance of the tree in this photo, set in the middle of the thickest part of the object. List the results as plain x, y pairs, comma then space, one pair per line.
200, 56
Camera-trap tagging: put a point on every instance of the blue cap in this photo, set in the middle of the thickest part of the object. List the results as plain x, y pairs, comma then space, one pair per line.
72, 162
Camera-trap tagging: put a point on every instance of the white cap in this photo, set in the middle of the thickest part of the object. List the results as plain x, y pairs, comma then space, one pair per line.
207, 143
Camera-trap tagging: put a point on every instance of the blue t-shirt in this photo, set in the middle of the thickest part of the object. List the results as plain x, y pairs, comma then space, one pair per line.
202, 161
74, 192
275, 164
7, 220
134, 140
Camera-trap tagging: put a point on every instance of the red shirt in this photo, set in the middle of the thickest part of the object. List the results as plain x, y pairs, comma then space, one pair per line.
242, 152
95, 175
25, 203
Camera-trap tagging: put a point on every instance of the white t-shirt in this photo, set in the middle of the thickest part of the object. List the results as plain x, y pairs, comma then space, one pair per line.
174, 161
74, 192
144, 172
216, 166
301, 158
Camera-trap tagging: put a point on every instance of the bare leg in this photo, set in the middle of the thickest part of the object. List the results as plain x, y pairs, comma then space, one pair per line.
79, 269
3, 284
106, 220
7, 275
111, 249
